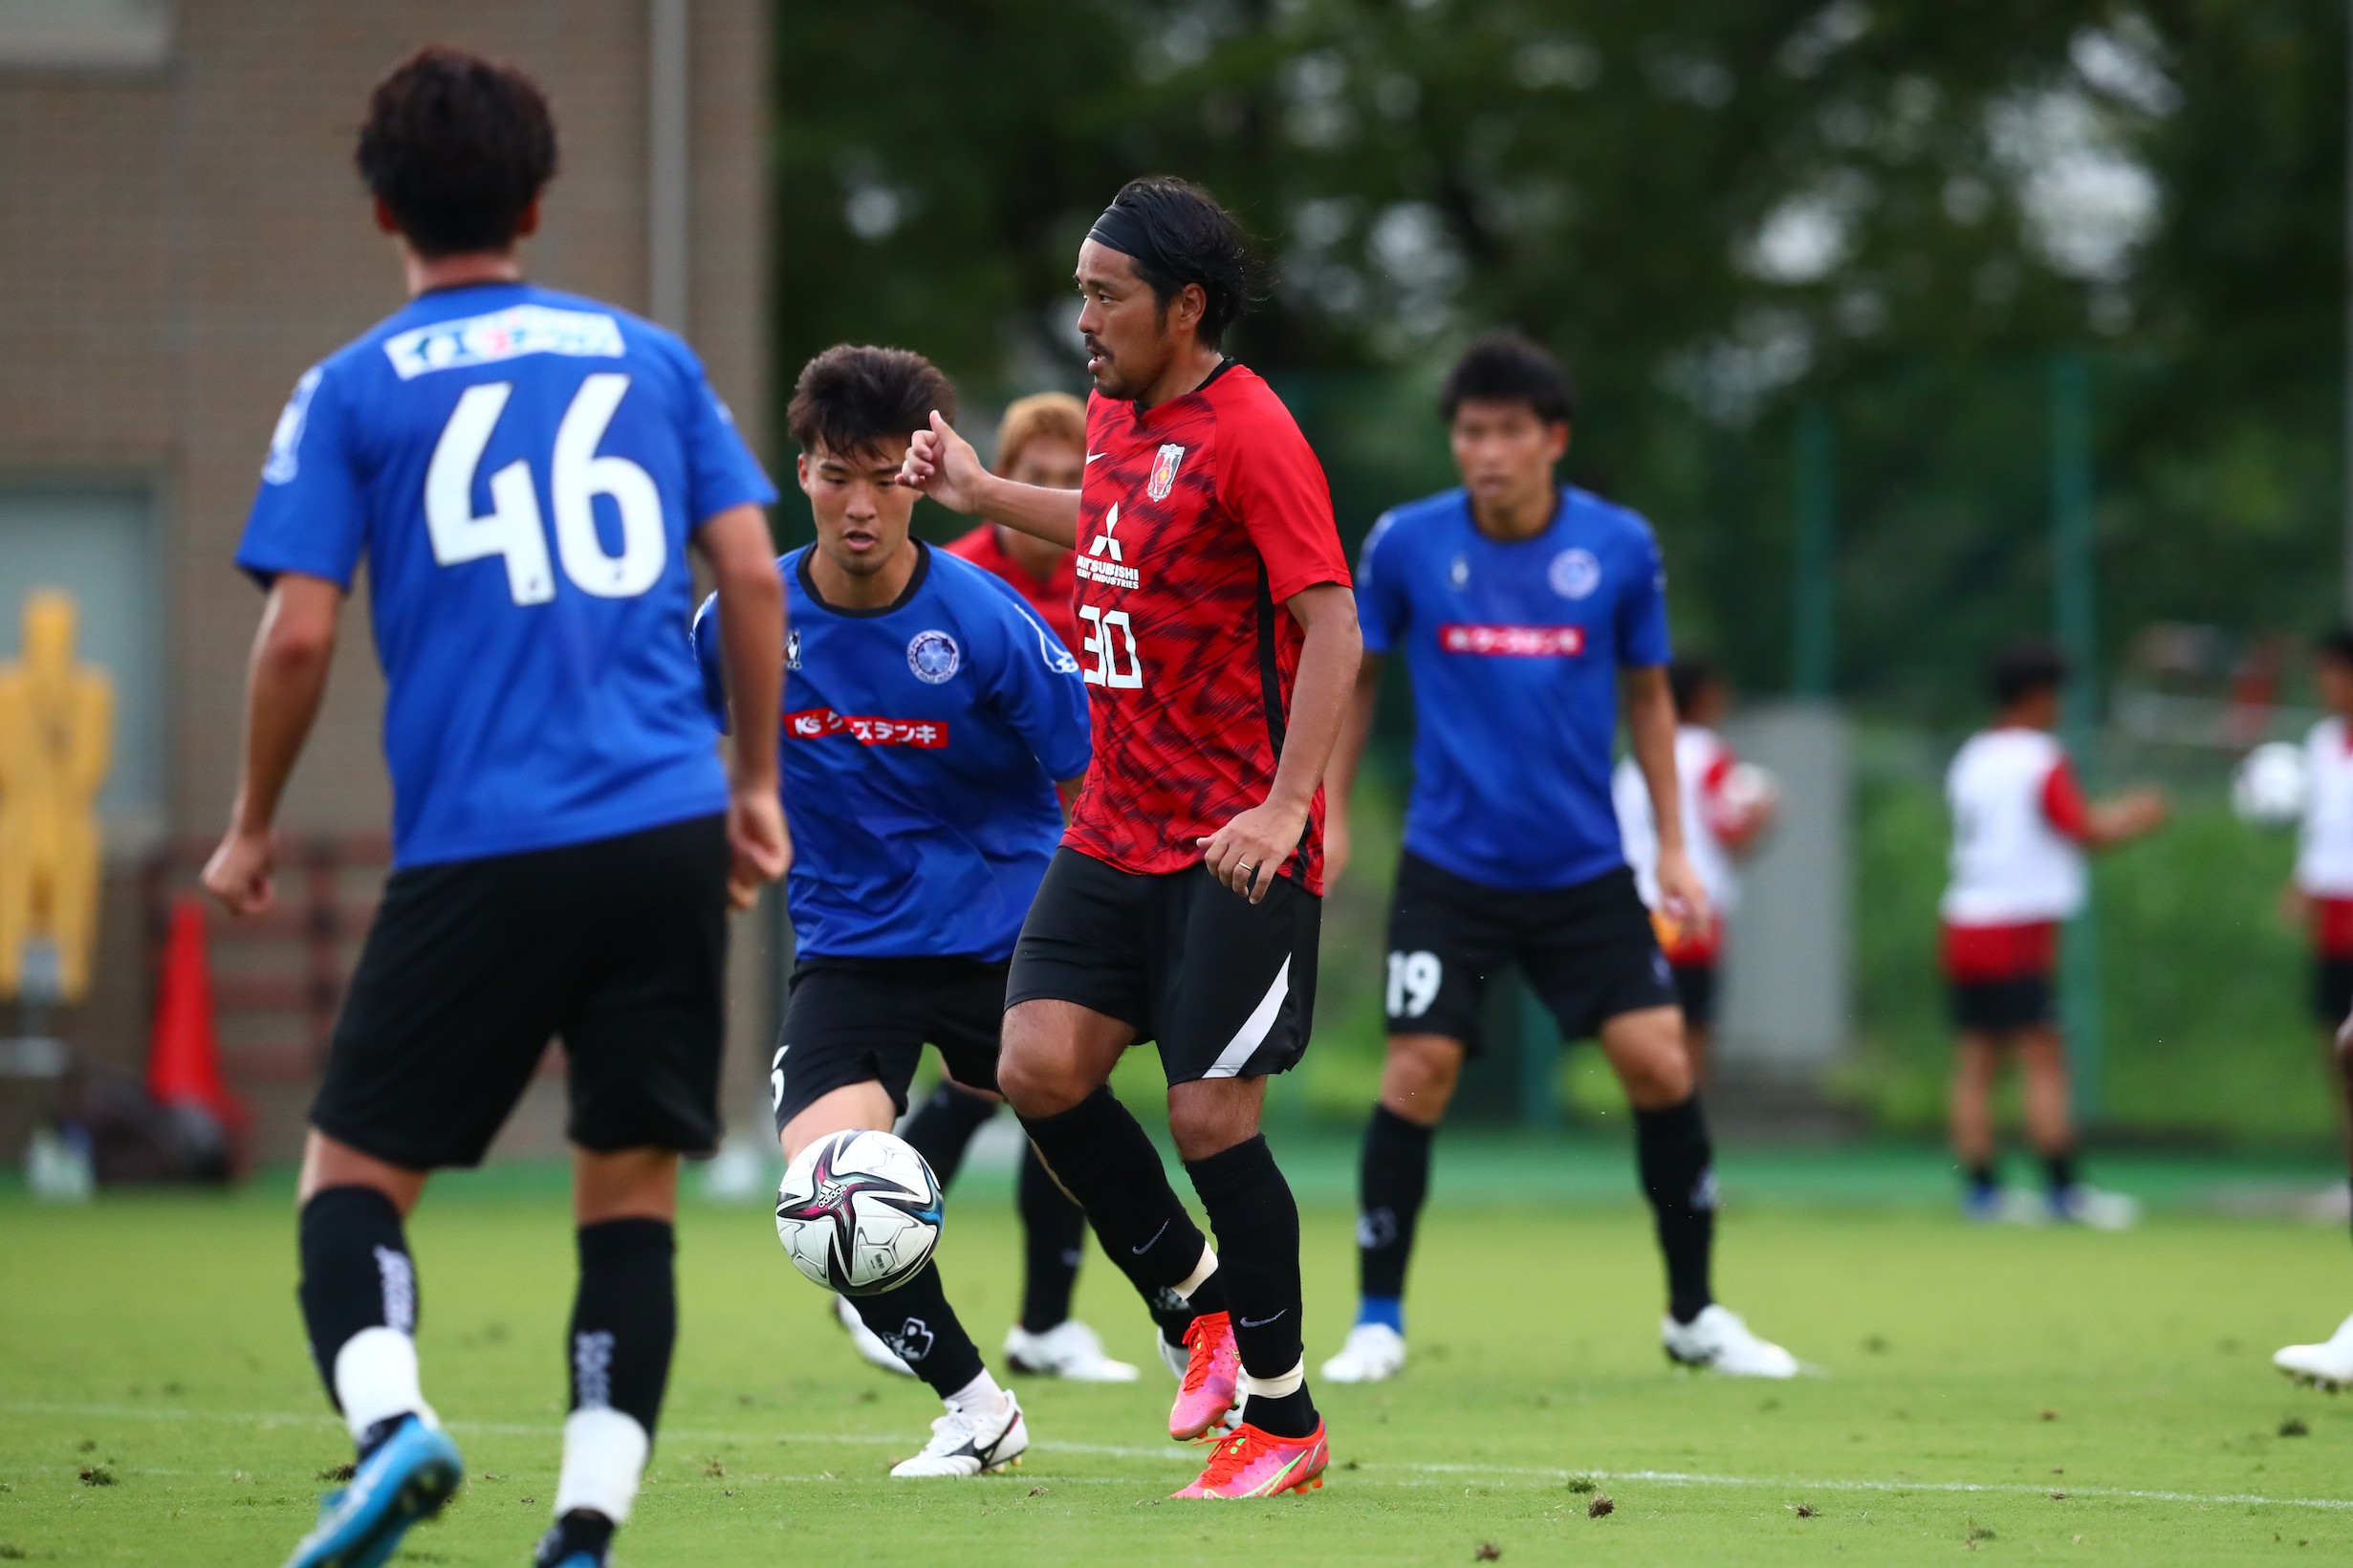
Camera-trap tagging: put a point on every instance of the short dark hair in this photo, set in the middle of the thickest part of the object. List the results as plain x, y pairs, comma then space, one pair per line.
1506, 367
2337, 645
1197, 241
854, 397
458, 147
2025, 668
1688, 677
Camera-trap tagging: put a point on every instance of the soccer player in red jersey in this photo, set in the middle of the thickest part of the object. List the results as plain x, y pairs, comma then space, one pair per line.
1042, 440
1219, 638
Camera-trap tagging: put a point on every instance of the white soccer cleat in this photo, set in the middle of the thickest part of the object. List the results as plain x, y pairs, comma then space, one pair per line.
970, 1443
2095, 1208
1373, 1353
1718, 1340
2328, 1365
869, 1344
1070, 1350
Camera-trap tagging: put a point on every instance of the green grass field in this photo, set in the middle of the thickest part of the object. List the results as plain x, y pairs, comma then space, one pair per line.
2024, 1392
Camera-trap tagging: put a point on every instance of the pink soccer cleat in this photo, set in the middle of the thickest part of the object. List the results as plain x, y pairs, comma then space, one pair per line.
1255, 1464
1212, 1371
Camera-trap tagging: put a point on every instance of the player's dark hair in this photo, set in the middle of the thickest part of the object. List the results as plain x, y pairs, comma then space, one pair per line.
2025, 668
1689, 677
854, 397
458, 147
2337, 645
1506, 367
1176, 233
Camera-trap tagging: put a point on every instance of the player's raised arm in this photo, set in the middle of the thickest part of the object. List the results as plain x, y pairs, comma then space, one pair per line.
943, 466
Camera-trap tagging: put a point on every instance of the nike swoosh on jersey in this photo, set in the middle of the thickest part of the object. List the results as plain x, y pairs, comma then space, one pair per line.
1094, 456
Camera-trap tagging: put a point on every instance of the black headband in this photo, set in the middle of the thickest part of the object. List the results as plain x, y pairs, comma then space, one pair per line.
1119, 229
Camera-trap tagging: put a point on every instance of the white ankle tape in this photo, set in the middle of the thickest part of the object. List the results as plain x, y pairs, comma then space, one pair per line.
604, 1458
375, 1379
1276, 1387
1202, 1271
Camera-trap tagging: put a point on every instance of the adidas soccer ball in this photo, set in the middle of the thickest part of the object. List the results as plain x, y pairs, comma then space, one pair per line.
2269, 787
859, 1211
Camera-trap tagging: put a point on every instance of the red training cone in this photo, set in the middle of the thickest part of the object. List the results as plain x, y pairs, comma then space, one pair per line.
184, 1061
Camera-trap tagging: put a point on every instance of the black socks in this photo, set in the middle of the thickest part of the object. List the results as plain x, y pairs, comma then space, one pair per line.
1054, 1239
1106, 1161
1257, 1227
2059, 1171
356, 1273
625, 1319
1671, 1150
942, 1126
1392, 1181
919, 1325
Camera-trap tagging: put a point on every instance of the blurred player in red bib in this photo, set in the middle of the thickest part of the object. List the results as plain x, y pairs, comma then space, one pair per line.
1218, 638
2021, 830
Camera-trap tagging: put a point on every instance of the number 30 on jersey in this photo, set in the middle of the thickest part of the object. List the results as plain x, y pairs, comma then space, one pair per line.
512, 530
1110, 647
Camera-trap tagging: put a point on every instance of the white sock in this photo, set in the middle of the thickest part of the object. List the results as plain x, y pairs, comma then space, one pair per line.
1200, 1275
1276, 1387
982, 1393
604, 1458
375, 1379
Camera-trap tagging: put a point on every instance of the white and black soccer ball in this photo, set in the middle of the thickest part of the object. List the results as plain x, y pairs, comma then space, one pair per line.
2271, 786
859, 1211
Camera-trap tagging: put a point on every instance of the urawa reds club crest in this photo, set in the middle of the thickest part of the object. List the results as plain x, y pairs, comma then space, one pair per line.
1165, 472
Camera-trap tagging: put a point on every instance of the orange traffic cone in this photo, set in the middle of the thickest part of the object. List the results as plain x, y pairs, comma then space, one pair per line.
184, 1061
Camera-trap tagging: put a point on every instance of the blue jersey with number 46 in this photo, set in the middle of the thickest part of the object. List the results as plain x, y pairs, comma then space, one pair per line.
522, 471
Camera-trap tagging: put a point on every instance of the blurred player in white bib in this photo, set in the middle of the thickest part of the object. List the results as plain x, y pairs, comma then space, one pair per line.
2021, 830
1727, 806
2320, 896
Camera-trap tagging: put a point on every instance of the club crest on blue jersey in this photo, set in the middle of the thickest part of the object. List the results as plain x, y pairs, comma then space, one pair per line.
792, 647
1574, 573
1165, 472
933, 656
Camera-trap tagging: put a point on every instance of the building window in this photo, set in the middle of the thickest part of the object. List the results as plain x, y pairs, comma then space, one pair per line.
85, 34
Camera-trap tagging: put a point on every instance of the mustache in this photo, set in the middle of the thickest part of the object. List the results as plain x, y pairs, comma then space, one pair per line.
1094, 346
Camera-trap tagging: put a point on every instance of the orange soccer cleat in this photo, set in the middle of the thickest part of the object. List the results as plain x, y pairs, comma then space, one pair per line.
1212, 1372
1256, 1464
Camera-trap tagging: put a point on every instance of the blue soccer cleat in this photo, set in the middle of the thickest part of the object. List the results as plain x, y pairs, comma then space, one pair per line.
408, 1477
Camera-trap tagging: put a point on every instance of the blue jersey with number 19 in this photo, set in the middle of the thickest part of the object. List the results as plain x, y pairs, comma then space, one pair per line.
522, 471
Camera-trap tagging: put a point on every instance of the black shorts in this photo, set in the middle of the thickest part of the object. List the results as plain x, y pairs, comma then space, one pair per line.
618, 946
1996, 1007
2332, 990
866, 1020
1588, 950
1225, 986
1695, 993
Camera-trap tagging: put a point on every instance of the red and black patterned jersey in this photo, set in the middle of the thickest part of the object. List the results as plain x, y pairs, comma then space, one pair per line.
1197, 520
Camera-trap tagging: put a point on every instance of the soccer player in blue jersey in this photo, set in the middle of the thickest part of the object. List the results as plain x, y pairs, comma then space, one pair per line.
524, 472
933, 726
1524, 611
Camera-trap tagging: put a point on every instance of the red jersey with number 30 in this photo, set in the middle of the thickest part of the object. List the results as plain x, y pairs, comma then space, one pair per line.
1197, 520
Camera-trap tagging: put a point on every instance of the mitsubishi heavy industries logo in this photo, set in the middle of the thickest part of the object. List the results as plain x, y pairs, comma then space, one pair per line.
1165, 472
1102, 562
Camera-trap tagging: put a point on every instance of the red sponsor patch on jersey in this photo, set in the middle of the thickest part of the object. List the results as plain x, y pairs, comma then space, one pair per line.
818, 723
1513, 642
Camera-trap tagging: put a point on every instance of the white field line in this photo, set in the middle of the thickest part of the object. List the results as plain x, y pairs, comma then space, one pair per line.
1795, 1486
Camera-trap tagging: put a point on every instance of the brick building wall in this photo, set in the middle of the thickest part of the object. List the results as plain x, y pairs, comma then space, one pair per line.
181, 240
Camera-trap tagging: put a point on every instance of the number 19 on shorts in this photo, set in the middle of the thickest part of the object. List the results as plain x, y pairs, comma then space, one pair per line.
1110, 647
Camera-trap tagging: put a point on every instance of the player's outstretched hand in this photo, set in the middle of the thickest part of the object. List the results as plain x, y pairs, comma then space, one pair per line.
943, 466
238, 876
1682, 894
1248, 850
762, 848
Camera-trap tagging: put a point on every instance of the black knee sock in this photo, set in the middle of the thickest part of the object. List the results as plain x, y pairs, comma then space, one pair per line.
1054, 1234
942, 1126
1392, 1180
1105, 1160
1257, 1223
1678, 1174
625, 1319
2058, 1170
917, 1322
356, 1275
